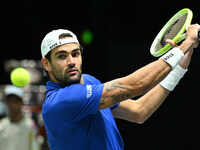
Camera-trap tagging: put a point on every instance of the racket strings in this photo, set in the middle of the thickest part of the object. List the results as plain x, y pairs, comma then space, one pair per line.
171, 32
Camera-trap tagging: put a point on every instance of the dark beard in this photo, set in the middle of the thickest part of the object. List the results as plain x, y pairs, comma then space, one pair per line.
69, 81
64, 80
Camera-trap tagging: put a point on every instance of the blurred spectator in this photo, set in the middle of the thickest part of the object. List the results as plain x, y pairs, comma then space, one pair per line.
17, 132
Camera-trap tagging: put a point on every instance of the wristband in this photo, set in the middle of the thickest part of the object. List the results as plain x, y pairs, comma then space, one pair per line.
173, 57
172, 79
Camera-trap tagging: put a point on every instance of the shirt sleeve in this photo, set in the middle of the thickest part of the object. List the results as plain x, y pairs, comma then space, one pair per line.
115, 106
78, 100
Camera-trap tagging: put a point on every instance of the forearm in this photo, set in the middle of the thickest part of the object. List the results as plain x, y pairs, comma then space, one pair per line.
146, 78
155, 97
134, 84
150, 102
140, 110
143, 79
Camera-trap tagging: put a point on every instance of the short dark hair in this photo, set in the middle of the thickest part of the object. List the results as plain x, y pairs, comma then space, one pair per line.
64, 35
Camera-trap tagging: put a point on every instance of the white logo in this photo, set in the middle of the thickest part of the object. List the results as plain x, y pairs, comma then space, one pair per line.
89, 91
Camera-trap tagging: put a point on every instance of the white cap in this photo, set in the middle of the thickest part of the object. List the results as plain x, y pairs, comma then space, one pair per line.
51, 40
14, 90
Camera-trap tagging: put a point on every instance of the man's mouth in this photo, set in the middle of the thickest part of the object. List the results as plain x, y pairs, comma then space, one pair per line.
72, 71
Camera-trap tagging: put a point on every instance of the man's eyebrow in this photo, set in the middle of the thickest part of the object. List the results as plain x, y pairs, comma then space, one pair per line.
63, 51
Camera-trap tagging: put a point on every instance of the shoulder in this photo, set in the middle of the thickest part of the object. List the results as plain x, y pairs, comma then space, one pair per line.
88, 79
64, 97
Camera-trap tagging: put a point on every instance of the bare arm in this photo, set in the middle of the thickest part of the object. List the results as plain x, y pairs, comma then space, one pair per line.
134, 84
140, 110
143, 79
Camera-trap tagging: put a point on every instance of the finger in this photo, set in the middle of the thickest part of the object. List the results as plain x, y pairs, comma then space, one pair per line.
171, 42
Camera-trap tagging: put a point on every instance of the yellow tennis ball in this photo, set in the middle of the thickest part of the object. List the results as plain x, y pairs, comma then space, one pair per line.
20, 77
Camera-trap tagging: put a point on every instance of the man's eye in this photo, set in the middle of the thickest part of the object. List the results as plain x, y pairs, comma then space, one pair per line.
76, 54
61, 56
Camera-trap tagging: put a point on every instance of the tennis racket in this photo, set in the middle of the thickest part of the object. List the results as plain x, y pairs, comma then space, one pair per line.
174, 29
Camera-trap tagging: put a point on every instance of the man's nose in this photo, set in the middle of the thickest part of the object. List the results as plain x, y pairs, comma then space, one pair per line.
70, 60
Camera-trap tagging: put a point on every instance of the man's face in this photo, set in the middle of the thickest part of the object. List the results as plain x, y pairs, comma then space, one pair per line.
14, 104
66, 64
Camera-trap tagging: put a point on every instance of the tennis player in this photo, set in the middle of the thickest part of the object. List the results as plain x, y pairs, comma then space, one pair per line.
79, 110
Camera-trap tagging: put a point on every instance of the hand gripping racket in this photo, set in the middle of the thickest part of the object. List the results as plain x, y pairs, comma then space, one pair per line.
174, 29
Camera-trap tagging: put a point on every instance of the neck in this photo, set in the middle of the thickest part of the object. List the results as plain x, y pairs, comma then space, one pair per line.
15, 117
52, 78
82, 80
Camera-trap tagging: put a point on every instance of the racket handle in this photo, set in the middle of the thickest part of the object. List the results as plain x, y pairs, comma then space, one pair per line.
182, 37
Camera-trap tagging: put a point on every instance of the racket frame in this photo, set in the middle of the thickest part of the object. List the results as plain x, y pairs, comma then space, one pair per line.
178, 38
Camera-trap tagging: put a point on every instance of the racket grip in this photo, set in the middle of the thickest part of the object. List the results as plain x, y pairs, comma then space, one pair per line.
182, 37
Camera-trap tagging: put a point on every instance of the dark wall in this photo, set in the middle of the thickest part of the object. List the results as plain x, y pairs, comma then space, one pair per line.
123, 32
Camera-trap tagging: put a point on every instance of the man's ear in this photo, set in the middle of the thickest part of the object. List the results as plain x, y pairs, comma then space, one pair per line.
46, 64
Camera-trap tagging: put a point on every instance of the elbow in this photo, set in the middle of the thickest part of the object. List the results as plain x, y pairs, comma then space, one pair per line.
140, 119
140, 116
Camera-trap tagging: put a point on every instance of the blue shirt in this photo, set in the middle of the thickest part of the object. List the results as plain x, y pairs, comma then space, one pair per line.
73, 121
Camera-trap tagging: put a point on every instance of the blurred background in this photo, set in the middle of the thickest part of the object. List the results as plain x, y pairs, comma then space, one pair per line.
116, 36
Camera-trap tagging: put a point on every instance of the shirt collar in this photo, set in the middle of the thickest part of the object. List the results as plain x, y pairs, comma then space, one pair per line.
52, 86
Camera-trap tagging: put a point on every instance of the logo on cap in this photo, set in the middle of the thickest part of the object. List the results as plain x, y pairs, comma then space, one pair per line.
53, 46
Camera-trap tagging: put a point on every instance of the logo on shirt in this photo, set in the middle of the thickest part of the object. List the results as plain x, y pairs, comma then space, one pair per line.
89, 91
